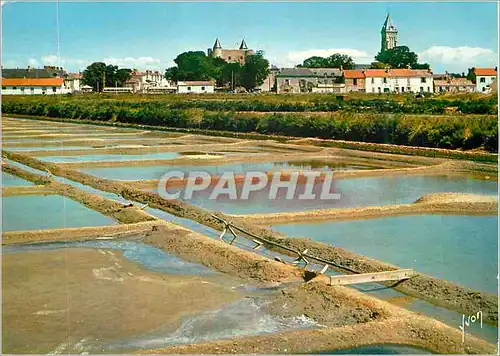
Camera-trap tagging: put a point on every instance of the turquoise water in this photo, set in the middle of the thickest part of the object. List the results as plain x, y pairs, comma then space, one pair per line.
110, 157
33, 212
9, 180
145, 255
353, 193
462, 249
157, 171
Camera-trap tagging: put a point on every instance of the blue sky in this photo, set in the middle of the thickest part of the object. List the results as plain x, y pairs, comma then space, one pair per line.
450, 36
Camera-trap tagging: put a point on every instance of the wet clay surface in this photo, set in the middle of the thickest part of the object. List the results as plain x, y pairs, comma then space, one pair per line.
79, 296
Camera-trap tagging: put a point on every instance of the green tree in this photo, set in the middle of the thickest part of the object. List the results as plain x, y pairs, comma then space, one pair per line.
313, 62
379, 65
192, 65
336, 60
400, 57
231, 75
94, 76
122, 75
255, 70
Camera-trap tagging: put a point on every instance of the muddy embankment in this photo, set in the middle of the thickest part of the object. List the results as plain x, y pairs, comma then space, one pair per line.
77, 233
439, 203
27, 190
434, 290
368, 321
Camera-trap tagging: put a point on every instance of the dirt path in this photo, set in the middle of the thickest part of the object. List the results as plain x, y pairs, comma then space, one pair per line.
77, 233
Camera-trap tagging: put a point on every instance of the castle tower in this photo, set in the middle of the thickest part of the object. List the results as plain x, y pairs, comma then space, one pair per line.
216, 51
389, 35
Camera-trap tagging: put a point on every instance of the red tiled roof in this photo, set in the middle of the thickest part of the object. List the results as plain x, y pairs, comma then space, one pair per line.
485, 71
353, 74
33, 82
380, 73
397, 73
197, 83
454, 81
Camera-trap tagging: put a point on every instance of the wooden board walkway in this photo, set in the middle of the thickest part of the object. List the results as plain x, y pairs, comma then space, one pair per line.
396, 275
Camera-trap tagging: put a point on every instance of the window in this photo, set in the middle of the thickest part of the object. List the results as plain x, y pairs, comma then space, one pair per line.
482, 80
380, 91
54, 89
402, 89
32, 90
385, 80
287, 81
484, 88
386, 90
229, 57
202, 88
241, 57
355, 81
428, 89
373, 80
189, 88
22, 90
3, 88
422, 80
14, 88
421, 89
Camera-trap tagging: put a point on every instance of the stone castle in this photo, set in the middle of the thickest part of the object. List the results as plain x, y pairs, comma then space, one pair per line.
230, 55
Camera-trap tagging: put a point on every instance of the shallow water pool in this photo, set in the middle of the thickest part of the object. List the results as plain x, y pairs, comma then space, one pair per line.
462, 249
10, 180
110, 157
34, 212
157, 171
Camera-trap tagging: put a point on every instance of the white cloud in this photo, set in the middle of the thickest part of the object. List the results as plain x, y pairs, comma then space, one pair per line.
50, 60
458, 58
294, 58
139, 62
33, 62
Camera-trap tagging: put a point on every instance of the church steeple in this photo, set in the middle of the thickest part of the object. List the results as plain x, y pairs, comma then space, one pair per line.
243, 45
217, 44
389, 34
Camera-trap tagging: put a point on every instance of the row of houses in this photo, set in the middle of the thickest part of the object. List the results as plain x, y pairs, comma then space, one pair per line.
330, 80
53, 80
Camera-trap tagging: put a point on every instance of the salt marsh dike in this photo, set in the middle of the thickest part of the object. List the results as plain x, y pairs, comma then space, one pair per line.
121, 269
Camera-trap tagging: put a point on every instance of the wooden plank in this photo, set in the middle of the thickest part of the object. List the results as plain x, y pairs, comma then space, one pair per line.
371, 277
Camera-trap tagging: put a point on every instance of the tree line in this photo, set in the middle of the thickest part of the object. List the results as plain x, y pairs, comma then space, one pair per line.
196, 65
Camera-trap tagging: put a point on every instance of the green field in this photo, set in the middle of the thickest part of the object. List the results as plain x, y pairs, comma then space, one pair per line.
466, 122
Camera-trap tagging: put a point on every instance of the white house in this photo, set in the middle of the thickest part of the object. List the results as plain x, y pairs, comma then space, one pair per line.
484, 78
33, 86
142, 82
196, 87
72, 81
398, 81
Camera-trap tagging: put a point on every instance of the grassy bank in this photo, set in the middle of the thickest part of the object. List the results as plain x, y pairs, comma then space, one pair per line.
444, 131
